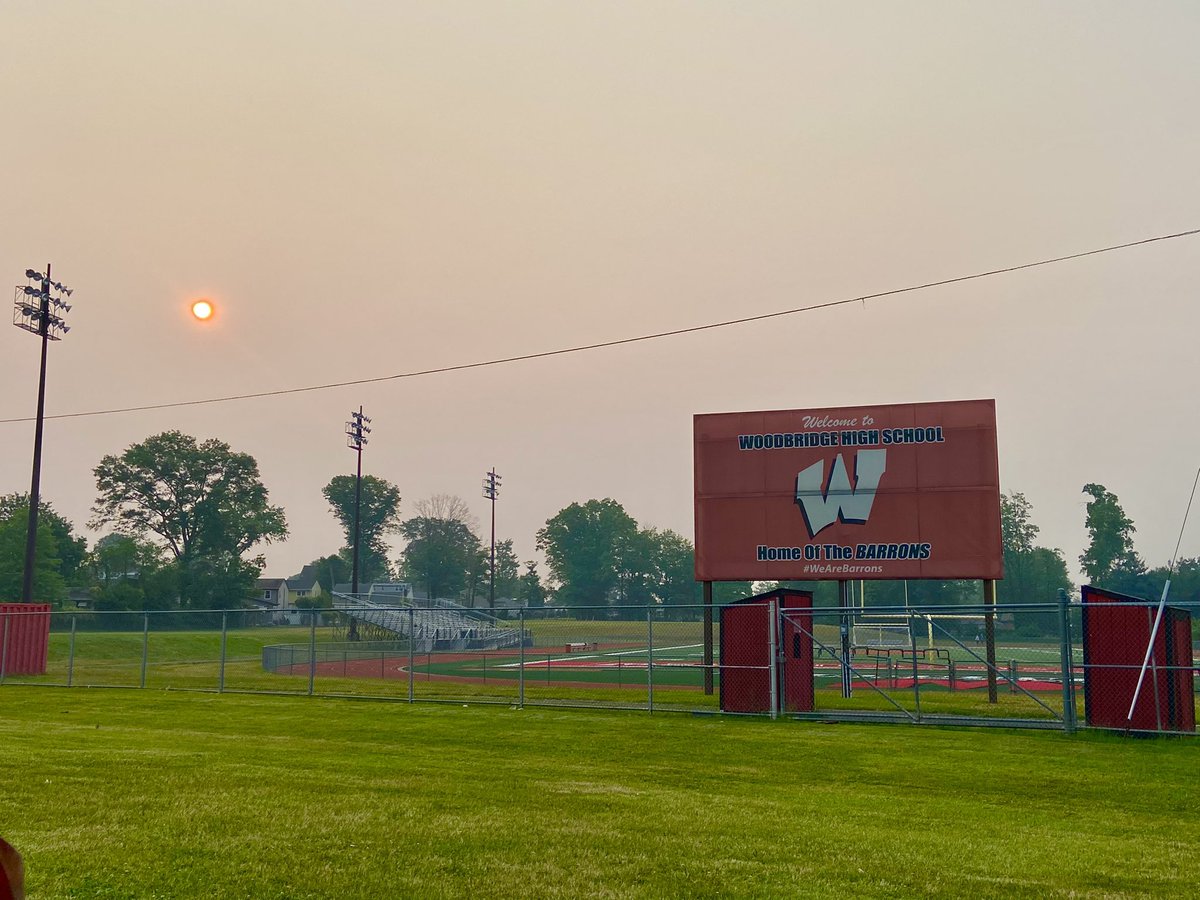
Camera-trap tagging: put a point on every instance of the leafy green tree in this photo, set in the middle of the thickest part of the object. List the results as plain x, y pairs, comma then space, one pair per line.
638, 573
1185, 582
204, 502
442, 551
126, 573
477, 576
68, 547
1047, 574
119, 557
49, 586
1110, 559
1017, 534
508, 570
379, 516
675, 575
530, 591
332, 570
217, 580
586, 547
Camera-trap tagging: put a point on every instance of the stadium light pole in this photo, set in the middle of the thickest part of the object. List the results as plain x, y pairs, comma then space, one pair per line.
32, 312
491, 490
356, 430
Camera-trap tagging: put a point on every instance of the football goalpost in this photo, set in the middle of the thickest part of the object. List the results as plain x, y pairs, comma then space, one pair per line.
890, 631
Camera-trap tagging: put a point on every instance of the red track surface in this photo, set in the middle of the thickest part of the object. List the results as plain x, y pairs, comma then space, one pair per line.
396, 667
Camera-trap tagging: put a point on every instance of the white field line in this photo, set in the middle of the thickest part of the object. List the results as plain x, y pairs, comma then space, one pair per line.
537, 658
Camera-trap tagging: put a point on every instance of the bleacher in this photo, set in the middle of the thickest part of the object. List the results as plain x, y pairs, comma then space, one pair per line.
431, 625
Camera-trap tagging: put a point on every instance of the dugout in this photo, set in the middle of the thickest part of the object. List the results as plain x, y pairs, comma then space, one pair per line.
748, 636
1116, 632
24, 638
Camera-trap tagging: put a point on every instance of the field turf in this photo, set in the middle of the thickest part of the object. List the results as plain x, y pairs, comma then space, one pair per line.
166, 794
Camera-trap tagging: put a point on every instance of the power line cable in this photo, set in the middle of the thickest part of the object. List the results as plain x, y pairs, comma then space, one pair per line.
562, 351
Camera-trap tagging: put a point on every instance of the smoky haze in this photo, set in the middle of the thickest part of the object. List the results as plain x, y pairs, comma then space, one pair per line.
379, 188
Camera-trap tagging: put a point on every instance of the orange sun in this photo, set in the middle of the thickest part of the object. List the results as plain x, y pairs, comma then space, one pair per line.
202, 310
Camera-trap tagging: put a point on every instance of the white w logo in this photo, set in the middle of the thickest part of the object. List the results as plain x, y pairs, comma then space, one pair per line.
824, 503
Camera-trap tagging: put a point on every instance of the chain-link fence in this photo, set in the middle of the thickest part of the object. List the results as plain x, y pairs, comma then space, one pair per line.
1042, 665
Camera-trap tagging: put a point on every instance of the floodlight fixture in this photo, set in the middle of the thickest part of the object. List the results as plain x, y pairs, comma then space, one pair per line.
491, 490
355, 431
32, 305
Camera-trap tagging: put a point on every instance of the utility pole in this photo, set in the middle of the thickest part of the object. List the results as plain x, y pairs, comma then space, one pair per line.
491, 490
32, 312
356, 429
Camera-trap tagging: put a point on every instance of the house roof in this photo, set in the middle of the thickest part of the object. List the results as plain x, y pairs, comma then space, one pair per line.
305, 581
264, 584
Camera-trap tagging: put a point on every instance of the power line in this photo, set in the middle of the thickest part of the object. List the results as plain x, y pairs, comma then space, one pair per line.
580, 348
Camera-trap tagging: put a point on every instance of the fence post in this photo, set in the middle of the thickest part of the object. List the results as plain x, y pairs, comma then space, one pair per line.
1068, 675
221, 676
145, 644
650, 658
846, 623
4, 650
912, 641
412, 639
772, 650
312, 650
950, 673
71, 655
521, 661
1012, 676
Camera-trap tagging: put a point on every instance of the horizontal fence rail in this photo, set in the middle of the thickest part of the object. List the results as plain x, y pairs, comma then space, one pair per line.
1034, 665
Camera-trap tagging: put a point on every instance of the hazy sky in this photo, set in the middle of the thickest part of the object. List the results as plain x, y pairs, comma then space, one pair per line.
372, 188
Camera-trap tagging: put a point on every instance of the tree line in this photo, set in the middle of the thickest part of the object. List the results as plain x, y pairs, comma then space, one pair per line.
186, 518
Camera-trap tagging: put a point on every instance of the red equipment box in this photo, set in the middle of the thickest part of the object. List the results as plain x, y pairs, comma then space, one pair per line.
24, 638
745, 653
1116, 632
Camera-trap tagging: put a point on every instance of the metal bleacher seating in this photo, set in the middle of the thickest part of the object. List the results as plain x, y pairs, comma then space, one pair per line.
431, 625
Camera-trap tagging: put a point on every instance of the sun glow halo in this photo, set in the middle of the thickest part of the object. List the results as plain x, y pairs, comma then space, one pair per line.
202, 310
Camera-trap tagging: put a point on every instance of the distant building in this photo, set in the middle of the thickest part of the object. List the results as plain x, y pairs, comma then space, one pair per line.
272, 593
303, 585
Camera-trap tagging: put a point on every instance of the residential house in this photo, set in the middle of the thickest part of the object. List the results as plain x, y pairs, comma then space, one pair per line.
303, 585
272, 593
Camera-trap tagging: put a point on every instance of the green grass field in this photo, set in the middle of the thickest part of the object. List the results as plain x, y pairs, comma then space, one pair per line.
165, 794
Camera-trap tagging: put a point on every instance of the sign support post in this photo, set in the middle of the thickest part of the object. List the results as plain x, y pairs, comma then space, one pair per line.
708, 639
989, 635
844, 602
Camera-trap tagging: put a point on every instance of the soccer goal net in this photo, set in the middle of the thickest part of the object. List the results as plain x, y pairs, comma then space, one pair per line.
881, 635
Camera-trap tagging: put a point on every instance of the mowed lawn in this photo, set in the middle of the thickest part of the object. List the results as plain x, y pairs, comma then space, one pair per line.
112, 793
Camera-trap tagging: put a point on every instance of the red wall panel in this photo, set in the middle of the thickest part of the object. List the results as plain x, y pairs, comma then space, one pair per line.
25, 632
1116, 632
